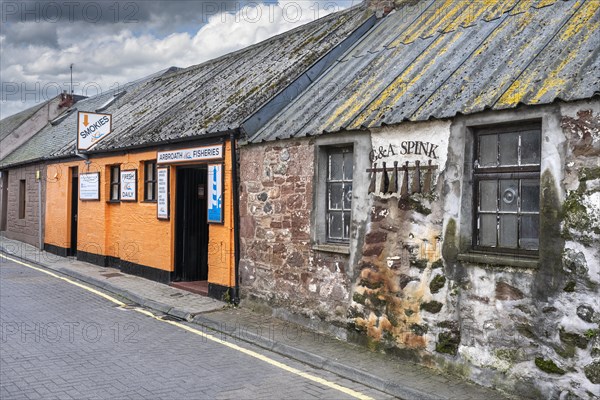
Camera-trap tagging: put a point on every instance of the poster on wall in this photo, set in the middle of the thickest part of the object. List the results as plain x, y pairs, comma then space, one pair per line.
162, 198
215, 194
89, 186
129, 185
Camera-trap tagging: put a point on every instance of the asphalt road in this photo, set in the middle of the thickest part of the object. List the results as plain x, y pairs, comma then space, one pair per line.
59, 340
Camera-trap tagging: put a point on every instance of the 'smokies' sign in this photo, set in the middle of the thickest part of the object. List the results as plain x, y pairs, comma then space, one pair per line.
206, 153
91, 127
416, 147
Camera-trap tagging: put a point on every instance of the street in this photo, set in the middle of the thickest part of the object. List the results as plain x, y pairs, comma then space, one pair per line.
62, 339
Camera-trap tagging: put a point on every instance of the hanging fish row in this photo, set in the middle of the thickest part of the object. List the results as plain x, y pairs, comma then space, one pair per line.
391, 184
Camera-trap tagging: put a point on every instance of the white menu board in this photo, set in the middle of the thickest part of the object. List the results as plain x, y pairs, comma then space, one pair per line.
162, 200
89, 186
129, 185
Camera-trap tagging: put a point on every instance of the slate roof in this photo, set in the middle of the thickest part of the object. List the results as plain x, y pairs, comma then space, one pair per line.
435, 59
9, 124
218, 95
58, 138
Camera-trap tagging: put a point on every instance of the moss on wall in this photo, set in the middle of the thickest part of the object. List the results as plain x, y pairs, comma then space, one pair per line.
548, 366
437, 283
550, 278
449, 248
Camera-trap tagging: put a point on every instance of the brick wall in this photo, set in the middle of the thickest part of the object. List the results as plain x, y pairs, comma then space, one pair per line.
278, 264
25, 229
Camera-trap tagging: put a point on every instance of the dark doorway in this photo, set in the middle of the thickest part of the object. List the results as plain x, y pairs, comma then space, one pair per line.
74, 209
3, 199
191, 228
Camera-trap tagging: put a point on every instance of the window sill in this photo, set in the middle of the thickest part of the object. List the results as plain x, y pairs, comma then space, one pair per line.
506, 260
332, 248
149, 201
113, 201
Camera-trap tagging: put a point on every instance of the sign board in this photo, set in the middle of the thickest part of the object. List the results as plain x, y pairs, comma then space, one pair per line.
129, 185
89, 186
206, 153
162, 198
91, 127
215, 193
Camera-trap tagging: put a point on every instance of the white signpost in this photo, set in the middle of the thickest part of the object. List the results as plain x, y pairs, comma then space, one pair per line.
129, 185
162, 203
89, 186
92, 127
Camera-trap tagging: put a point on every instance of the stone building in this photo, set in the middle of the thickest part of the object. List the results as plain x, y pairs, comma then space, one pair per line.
436, 194
22, 190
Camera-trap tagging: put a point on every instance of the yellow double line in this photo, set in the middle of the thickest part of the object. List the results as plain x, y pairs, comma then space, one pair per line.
204, 335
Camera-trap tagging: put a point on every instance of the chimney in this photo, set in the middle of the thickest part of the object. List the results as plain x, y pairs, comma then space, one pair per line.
381, 7
66, 100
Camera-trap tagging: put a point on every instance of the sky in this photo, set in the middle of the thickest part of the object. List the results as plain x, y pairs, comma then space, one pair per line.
110, 43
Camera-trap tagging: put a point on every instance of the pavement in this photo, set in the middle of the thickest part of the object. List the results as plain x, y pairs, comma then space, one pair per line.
382, 372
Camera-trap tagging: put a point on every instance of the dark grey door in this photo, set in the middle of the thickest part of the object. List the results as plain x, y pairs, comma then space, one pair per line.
191, 228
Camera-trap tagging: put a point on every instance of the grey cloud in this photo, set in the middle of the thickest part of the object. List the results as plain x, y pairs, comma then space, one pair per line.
130, 40
22, 34
111, 12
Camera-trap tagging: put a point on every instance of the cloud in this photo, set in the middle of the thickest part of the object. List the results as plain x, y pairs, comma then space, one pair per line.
37, 51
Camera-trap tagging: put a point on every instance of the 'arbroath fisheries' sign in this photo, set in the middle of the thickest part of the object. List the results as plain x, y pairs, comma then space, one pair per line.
206, 153
91, 127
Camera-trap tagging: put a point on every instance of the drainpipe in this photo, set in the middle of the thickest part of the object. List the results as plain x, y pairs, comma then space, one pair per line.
236, 219
38, 175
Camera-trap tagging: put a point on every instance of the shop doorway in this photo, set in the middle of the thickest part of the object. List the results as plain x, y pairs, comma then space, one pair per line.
74, 209
3, 199
191, 227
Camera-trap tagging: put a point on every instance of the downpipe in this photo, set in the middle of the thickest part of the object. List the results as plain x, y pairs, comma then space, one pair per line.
236, 219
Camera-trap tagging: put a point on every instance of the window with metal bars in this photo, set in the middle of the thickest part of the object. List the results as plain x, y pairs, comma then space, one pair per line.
150, 181
339, 193
115, 183
507, 189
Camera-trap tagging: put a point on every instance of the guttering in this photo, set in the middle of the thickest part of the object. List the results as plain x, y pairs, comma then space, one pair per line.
20, 164
149, 145
236, 218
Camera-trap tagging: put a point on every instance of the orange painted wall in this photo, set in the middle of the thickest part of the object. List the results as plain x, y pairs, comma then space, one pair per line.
130, 230
221, 240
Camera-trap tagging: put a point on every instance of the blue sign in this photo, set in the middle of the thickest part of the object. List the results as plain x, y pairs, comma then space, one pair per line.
215, 193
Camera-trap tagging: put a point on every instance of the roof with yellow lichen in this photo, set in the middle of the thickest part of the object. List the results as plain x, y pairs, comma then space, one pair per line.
215, 97
438, 58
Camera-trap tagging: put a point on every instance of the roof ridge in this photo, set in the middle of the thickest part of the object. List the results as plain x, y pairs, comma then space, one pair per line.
265, 42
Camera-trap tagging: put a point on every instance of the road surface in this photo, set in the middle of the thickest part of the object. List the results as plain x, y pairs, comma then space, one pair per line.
63, 339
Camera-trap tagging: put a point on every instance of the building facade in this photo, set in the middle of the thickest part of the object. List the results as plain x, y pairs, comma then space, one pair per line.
23, 191
435, 195
123, 224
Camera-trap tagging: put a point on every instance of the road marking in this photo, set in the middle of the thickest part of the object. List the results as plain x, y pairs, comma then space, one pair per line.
107, 297
248, 352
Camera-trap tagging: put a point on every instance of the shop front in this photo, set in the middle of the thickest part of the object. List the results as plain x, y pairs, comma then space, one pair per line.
162, 213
